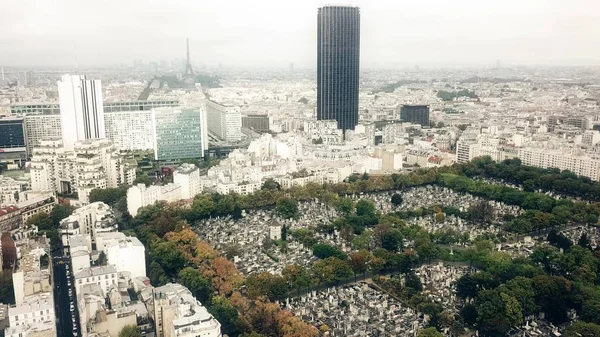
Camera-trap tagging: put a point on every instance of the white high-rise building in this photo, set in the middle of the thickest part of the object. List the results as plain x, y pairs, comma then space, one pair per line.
188, 176
224, 121
81, 109
130, 130
93, 163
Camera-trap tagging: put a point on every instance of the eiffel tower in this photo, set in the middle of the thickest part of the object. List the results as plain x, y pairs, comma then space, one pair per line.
189, 72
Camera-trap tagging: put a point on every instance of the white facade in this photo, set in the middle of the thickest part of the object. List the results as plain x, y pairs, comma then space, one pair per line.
81, 109
89, 220
128, 255
224, 121
578, 164
188, 177
103, 276
176, 312
130, 130
35, 317
94, 163
41, 127
9, 191
139, 196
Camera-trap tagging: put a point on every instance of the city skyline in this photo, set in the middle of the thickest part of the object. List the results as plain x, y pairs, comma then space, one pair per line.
435, 32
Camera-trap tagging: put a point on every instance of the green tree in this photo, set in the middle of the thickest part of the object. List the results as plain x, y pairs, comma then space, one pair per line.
143, 179
287, 208
392, 240
492, 318
157, 274
365, 207
582, 329
225, 313
108, 196
200, 287
323, 251
396, 199
130, 331
270, 184
60, 212
102, 259
42, 221
345, 206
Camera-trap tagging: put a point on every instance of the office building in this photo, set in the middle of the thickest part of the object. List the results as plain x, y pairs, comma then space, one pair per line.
416, 114
176, 312
41, 127
257, 123
81, 109
130, 130
188, 177
93, 163
338, 63
129, 124
178, 133
12, 140
224, 121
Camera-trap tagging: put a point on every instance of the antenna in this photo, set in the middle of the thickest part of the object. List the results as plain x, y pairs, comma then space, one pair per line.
76, 62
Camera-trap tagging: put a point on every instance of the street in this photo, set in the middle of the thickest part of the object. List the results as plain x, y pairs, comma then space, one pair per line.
65, 299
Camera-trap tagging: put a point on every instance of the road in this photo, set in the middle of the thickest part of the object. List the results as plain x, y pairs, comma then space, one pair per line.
65, 299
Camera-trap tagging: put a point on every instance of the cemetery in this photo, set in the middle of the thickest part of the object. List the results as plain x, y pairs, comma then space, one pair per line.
355, 310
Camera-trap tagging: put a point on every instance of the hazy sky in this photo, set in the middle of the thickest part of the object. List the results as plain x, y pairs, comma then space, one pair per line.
277, 32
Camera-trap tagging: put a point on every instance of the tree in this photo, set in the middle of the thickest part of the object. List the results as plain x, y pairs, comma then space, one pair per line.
392, 240
109, 195
396, 199
142, 179
42, 221
365, 207
270, 184
199, 286
584, 241
102, 259
430, 332
225, 313
130, 331
157, 274
323, 251
287, 208
481, 212
359, 261
496, 314
60, 212
345, 206
582, 329
331, 270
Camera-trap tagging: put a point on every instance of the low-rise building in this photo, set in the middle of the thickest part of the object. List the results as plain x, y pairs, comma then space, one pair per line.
103, 276
128, 255
176, 312
139, 196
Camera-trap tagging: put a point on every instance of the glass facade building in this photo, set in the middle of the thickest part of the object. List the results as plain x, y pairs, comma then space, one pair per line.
416, 114
178, 133
338, 63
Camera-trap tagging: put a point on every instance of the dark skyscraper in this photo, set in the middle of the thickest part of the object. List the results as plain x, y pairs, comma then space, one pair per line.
338, 58
416, 114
